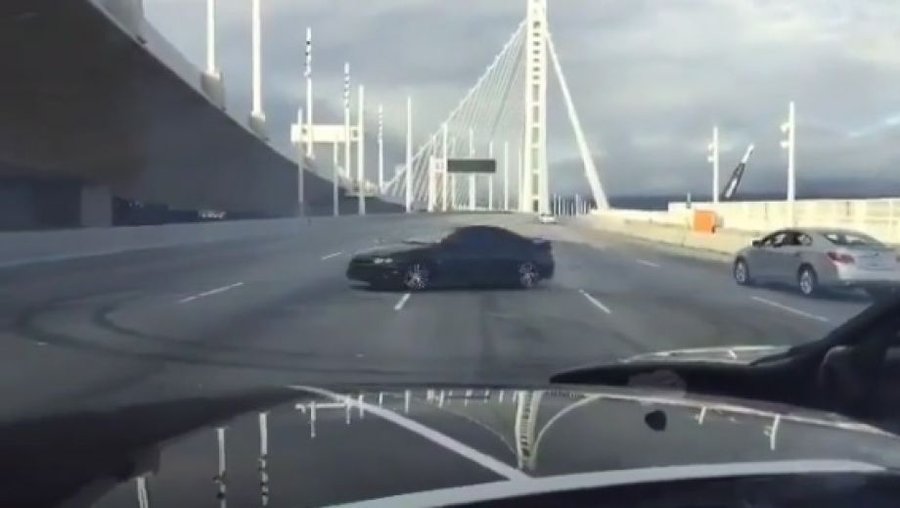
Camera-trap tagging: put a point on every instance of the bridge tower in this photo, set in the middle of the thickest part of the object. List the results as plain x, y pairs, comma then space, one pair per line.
536, 184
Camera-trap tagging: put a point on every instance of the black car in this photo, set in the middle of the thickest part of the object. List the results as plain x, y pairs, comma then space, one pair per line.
469, 256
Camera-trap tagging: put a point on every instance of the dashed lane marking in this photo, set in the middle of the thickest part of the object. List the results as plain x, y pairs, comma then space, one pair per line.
211, 292
595, 302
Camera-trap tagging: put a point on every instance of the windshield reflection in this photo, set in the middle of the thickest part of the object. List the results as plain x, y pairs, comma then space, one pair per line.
524, 425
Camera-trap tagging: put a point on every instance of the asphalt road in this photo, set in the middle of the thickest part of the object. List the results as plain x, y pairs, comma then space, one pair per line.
199, 320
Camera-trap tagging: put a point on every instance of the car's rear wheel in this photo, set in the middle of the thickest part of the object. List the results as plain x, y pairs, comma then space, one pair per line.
416, 277
807, 281
741, 273
529, 275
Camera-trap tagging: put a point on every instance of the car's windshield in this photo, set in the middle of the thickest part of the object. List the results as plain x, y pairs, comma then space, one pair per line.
201, 197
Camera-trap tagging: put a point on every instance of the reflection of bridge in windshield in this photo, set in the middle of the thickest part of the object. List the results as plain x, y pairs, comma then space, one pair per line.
521, 420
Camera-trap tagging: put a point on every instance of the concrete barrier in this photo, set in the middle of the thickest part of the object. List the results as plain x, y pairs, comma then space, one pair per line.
720, 245
20, 248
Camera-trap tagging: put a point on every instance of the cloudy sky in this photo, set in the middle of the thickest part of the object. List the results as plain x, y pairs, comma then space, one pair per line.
650, 77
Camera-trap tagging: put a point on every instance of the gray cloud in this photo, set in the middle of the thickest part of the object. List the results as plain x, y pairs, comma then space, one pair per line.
650, 77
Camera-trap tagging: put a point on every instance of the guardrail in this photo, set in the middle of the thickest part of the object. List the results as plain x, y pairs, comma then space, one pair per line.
877, 217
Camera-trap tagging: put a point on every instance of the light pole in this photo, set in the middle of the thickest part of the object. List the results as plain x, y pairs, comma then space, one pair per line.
301, 173
409, 142
309, 96
335, 176
446, 176
713, 158
506, 176
347, 139
431, 176
490, 206
788, 128
472, 175
381, 148
361, 152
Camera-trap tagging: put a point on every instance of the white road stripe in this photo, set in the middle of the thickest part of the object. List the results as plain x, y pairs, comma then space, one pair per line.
597, 303
428, 433
332, 255
402, 302
210, 292
792, 310
644, 262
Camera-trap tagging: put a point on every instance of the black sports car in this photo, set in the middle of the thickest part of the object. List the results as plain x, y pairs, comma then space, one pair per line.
469, 256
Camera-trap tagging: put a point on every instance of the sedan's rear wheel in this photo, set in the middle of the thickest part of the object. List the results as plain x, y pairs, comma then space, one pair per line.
528, 275
416, 277
741, 273
808, 281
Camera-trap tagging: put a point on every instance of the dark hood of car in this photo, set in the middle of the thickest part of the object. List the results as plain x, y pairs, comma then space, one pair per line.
309, 446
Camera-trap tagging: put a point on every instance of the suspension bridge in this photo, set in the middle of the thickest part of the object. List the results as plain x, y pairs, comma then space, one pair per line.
501, 120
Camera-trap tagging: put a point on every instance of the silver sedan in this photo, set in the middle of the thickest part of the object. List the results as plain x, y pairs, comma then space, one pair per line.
816, 259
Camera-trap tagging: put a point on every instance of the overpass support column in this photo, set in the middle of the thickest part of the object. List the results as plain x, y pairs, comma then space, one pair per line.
211, 80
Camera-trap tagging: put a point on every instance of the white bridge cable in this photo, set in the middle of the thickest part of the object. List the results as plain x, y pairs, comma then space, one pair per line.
499, 95
510, 124
519, 32
484, 108
590, 168
466, 101
466, 116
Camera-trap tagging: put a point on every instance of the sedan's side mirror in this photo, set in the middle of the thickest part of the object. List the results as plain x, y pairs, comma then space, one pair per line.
756, 243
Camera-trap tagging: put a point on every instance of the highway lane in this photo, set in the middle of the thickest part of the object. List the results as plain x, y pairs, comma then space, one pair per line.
200, 320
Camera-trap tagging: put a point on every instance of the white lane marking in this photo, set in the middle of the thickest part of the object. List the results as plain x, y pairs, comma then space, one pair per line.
332, 255
505, 490
792, 310
597, 303
644, 262
443, 440
402, 302
211, 292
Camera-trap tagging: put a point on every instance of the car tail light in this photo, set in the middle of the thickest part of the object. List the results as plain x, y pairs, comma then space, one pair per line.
841, 258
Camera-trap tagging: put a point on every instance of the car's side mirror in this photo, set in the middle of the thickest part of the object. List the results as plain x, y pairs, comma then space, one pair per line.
756, 243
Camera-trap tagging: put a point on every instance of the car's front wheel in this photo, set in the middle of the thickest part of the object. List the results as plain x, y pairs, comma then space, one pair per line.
529, 276
807, 281
416, 277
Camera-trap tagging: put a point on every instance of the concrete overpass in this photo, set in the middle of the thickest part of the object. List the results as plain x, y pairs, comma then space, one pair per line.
96, 103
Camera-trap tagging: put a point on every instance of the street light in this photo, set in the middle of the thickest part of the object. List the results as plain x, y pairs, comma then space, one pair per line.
789, 143
713, 157
789, 128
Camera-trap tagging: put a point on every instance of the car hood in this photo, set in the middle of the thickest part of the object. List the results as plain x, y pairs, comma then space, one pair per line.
311, 446
725, 354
